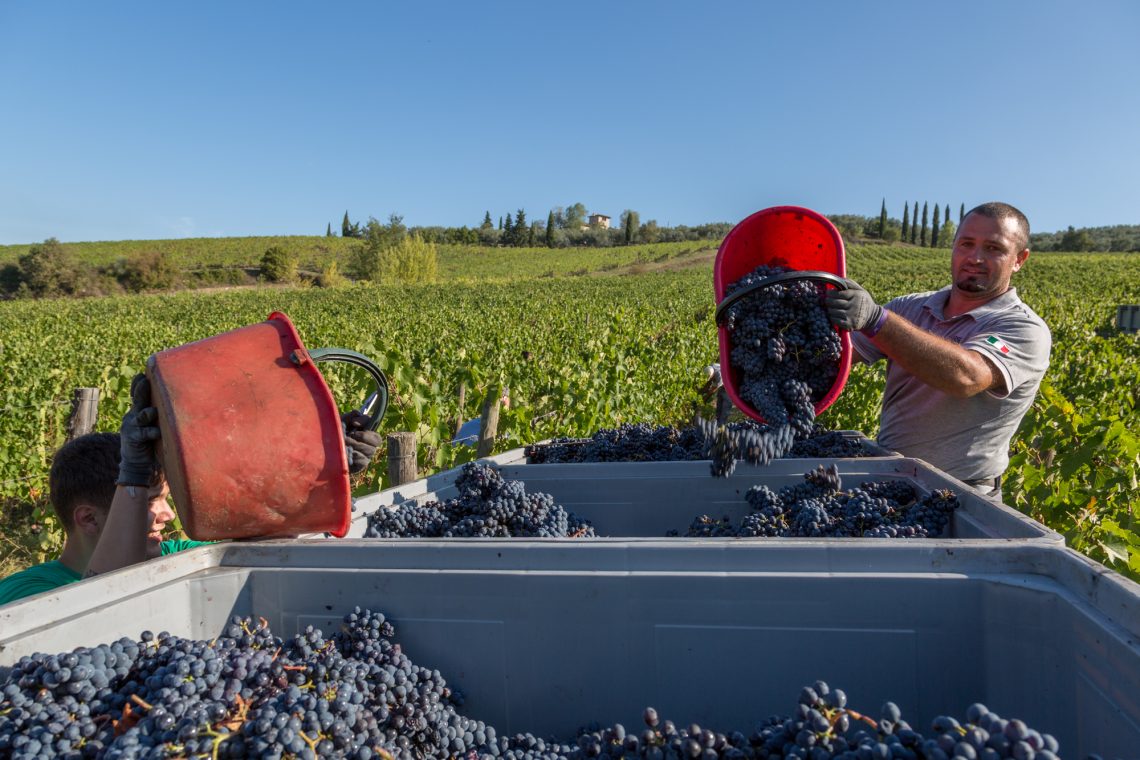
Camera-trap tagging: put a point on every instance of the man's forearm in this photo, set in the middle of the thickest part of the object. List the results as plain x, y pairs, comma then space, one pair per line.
935, 361
124, 537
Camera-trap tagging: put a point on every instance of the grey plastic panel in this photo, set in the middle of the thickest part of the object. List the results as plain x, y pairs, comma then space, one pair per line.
545, 641
648, 499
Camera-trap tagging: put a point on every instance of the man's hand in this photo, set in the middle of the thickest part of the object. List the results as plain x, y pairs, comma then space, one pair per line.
853, 308
361, 443
137, 435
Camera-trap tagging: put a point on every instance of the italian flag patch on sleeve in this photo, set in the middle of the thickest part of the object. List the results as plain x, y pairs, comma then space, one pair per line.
997, 343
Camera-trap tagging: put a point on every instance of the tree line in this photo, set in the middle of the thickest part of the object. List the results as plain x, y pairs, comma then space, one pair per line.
928, 231
937, 230
564, 227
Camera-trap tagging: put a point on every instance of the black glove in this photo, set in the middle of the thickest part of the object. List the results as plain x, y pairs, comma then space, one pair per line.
853, 308
137, 435
360, 444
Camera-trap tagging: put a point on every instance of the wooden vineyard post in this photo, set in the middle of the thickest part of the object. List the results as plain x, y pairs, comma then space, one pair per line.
489, 425
401, 458
459, 414
84, 412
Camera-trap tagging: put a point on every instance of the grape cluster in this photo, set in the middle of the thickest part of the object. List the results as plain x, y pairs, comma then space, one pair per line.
823, 726
787, 354
643, 442
488, 506
819, 507
356, 695
639, 442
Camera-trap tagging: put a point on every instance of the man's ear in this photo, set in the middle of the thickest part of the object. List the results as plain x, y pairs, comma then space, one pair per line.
1019, 262
88, 519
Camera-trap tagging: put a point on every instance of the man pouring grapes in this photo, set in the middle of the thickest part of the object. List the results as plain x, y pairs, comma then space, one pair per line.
964, 362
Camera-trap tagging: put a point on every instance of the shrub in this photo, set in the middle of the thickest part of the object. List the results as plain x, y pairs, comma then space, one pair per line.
410, 259
330, 276
49, 270
279, 265
149, 270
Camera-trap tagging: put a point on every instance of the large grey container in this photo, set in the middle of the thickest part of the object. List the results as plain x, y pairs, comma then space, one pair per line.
648, 499
722, 633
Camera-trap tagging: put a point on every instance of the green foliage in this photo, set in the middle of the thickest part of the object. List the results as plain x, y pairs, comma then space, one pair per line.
551, 241
411, 260
366, 262
279, 265
50, 270
883, 221
934, 229
630, 222
575, 216
148, 270
330, 277
946, 236
1120, 237
922, 236
905, 221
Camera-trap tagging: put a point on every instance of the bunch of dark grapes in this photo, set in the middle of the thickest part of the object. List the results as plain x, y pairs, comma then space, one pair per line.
488, 506
823, 726
649, 443
819, 507
787, 355
639, 442
355, 694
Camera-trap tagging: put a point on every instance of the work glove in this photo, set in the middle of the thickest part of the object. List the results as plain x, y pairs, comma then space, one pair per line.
853, 308
137, 434
360, 444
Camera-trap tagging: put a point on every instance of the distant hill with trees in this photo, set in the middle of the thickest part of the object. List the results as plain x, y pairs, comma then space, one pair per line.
921, 231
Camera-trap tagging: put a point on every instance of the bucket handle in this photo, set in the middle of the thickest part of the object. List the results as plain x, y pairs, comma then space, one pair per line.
824, 277
377, 403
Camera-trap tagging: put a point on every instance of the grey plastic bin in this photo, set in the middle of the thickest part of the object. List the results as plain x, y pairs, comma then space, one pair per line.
722, 633
648, 499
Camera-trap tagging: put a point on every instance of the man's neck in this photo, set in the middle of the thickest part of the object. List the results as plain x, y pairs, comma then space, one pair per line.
75, 555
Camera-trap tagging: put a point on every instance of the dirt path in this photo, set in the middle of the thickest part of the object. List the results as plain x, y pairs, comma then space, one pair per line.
701, 258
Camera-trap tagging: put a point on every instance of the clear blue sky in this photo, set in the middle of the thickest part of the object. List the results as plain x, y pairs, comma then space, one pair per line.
137, 120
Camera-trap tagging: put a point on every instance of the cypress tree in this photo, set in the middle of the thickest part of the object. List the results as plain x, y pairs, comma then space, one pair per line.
925, 218
961, 214
906, 220
914, 223
500, 222
486, 221
522, 231
550, 229
346, 226
883, 220
328, 230
508, 227
934, 228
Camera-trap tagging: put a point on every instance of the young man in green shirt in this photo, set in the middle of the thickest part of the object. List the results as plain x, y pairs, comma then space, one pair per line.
109, 492
83, 486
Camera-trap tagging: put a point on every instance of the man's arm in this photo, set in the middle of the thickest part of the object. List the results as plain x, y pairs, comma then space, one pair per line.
123, 541
941, 364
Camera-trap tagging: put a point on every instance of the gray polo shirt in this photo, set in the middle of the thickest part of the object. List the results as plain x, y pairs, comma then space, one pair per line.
967, 438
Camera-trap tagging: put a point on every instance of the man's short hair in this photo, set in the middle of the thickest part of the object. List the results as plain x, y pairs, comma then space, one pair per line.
1002, 211
84, 471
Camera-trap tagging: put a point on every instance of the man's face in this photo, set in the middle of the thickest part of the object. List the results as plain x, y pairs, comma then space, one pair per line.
986, 254
160, 513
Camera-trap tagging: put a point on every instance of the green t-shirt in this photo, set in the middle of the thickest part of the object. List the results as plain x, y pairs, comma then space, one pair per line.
51, 575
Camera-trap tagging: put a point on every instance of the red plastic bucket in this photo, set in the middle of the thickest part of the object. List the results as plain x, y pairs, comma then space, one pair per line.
252, 443
790, 236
